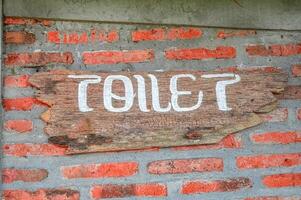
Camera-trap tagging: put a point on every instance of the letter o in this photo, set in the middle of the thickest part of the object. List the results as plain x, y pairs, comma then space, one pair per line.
108, 95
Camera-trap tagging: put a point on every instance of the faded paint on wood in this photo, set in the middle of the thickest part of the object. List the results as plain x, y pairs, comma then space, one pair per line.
134, 110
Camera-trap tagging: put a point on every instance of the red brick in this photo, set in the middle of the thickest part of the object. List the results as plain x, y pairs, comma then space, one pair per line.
19, 37
296, 70
266, 161
22, 150
75, 38
274, 50
119, 191
114, 57
282, 180
185, 166
16, 81
111, 36
37, 59
25, 21
152, 34
121, 169
220, 52
273, 198
227, 185
41, 194
20, 125
276, 137
10, 175
53, 37
299, 114
291, 92
222, 34
230, 141
103, 36
18, 21
183, 33
21, 104
82, 37
161, 34
277, 115
45, 22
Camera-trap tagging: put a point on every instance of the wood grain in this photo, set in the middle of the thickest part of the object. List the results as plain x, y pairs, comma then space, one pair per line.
100, 130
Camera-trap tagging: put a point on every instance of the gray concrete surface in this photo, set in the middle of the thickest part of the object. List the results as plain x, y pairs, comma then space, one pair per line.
254, 14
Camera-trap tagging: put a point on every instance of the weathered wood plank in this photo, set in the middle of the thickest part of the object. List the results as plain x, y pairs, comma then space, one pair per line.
126, 110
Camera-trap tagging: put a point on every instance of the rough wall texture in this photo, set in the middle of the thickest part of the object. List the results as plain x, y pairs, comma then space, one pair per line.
262, 163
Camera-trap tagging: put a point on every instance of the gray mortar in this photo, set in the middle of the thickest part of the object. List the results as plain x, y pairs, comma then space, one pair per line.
174, 181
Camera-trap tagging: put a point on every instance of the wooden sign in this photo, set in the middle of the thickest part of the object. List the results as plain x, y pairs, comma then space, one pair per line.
92, 111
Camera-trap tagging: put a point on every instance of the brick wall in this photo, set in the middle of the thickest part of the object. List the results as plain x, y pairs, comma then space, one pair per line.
262, 163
